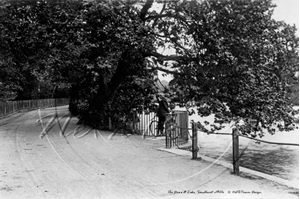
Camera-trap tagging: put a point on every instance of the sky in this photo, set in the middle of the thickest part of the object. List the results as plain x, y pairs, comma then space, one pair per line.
286, 10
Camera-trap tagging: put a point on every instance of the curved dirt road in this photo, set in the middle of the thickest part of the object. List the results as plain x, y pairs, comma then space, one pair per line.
95, 166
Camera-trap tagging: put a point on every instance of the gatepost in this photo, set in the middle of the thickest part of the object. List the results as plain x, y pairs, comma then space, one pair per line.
235, 151
194, 141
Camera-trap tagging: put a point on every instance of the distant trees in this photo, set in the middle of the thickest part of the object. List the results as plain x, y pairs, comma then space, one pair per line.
24, 51
230, 58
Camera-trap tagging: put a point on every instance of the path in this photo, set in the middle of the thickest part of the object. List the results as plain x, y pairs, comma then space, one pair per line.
96, 167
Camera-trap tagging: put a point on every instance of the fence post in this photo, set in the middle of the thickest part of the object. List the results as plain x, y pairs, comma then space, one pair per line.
109, 123
235, 151
194, 141
133, 120
167, 135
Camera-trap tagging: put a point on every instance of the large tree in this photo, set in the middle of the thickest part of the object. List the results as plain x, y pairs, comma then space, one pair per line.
94, 48
230, 58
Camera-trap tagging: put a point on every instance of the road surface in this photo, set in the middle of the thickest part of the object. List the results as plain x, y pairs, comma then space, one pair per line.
95, 166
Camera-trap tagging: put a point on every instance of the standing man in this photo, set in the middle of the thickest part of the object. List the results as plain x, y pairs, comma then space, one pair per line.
162, 112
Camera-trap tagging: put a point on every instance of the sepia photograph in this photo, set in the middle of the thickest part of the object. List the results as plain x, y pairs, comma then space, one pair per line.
149, 99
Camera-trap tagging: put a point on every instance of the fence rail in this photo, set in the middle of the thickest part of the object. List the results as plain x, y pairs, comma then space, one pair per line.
10, 107
235, 146
277, 143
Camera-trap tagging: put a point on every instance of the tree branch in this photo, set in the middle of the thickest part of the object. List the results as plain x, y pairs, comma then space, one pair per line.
162, 36
154, 66
170, 15
145, 9
173, 72
161, 57
162, 10
175, 42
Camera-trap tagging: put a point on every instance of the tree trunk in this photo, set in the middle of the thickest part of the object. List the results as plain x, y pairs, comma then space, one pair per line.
105, 92
74, 99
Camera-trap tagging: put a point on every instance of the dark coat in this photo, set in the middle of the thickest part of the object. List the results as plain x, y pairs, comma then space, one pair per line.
163, 109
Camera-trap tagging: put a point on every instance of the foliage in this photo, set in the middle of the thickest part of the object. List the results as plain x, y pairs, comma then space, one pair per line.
25, 49
236, 64
231, 58
92, 47
114, 55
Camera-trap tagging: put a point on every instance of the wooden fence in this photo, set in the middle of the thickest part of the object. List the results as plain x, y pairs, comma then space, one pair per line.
147, 123
10, 107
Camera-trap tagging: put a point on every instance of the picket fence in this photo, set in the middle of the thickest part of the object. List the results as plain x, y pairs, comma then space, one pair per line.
147, 126
10, 107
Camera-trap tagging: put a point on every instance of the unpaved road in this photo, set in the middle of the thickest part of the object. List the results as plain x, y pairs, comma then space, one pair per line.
97, 167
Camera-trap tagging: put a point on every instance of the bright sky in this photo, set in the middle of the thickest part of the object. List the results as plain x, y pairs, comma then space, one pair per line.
286, 10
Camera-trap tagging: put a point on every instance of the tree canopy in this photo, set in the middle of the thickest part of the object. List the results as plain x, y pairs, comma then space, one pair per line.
231, 58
